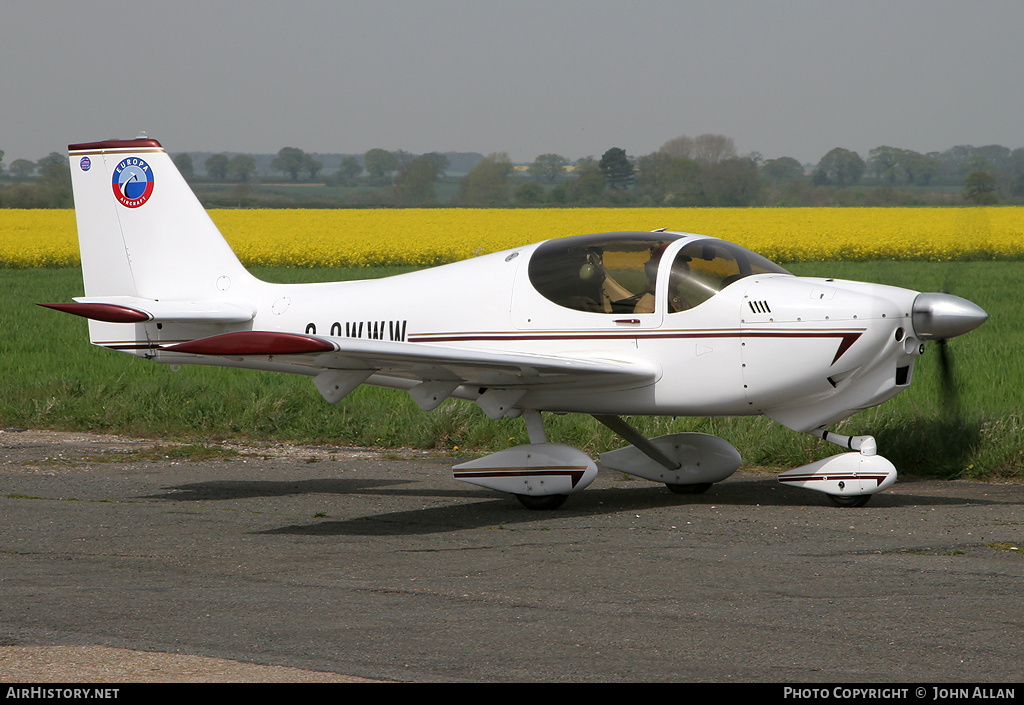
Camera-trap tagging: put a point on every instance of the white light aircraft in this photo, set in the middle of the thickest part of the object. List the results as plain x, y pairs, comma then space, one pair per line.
627, 323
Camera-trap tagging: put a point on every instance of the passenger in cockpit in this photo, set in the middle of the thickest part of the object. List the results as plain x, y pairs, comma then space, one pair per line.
646, 302
680, 272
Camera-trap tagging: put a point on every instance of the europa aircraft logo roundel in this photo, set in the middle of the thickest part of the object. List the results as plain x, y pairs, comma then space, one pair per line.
132, 182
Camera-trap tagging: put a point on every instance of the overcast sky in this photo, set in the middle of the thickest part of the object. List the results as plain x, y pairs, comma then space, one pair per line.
576, 77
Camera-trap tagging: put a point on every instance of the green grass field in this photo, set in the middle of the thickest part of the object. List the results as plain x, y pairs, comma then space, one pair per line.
51, 377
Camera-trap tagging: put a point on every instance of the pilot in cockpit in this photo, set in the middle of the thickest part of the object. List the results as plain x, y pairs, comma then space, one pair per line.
600, 289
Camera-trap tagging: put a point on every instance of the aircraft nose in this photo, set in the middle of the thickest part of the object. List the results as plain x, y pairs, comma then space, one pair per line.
941, 316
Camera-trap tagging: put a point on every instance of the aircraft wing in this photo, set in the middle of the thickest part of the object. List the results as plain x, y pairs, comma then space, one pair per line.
433, 371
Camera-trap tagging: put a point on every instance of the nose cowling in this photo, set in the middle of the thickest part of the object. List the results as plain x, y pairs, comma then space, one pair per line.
942, 316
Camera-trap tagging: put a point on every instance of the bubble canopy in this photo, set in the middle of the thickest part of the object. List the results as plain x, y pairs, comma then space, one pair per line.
619, 272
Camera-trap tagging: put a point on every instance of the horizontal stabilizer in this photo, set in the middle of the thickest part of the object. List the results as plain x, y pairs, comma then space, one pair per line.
131, 309
108, 313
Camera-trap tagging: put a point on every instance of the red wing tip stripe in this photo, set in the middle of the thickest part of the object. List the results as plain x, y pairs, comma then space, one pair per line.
109, 313
254, 343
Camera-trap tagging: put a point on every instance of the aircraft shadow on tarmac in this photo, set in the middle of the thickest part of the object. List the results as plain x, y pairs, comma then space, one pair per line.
219, 490
476, 508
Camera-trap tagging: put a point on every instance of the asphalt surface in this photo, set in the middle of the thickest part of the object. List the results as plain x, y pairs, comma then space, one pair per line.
284, 563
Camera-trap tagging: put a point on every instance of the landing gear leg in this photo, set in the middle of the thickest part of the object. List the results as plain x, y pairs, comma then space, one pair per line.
641, 442
535, 426
866, 446
687, 463
535, 429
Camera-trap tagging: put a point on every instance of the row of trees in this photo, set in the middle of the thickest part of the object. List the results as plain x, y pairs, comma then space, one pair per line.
51, 187
984, 172
701, 171
707, 171
893, 166
704, 171
410, 179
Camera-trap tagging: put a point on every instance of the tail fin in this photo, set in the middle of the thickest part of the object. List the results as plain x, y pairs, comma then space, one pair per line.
141, 230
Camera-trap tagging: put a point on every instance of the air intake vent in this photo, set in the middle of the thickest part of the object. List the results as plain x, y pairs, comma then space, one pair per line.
759, 307
902, 376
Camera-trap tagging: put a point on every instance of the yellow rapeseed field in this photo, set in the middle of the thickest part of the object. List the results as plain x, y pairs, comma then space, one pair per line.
356, 238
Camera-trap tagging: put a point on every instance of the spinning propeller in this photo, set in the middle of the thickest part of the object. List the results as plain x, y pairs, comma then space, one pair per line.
940, 317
